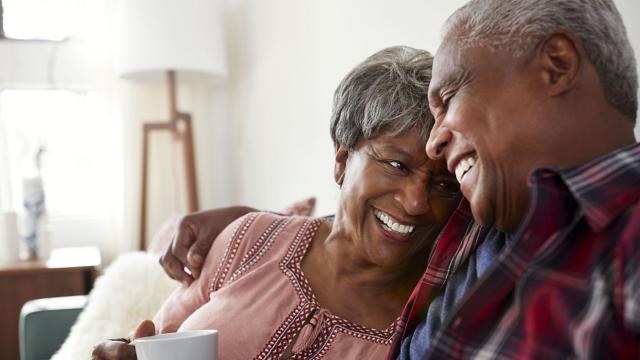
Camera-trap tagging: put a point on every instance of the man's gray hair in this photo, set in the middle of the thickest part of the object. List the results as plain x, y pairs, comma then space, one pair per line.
387, 92
518, 26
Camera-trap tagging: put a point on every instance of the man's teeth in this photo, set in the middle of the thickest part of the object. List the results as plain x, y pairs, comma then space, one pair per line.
463, 166
390, 224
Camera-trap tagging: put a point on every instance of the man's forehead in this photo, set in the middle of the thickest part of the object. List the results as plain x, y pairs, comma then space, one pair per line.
447, 67
455, 64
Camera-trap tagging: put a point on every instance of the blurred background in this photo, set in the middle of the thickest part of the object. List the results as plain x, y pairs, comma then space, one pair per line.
74, 97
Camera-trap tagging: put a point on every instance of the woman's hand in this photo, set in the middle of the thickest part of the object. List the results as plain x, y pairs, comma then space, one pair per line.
120, 349
193, 239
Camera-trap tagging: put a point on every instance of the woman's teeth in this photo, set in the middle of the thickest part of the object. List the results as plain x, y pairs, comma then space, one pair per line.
391, 225
464, 166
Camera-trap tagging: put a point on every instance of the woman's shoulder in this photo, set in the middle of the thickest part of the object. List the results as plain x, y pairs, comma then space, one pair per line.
257, 229
257, 237
259, 221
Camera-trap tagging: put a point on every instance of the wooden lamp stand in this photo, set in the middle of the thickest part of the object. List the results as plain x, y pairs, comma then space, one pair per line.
180, 126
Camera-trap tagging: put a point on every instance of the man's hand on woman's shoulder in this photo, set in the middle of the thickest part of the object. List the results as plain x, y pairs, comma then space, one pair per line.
194, 236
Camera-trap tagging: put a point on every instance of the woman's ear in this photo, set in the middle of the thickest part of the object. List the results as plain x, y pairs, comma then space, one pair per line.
341, 163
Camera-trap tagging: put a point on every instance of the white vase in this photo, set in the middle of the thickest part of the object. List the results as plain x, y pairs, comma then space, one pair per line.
35, 214
9, 237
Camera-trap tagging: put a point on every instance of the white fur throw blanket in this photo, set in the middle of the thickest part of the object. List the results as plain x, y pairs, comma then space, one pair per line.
130, 290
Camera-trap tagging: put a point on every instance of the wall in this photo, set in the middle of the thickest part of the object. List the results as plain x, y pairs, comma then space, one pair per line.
287, 57
262, 138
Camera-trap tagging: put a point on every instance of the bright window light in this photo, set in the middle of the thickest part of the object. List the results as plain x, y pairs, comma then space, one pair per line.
79, 165
41, 19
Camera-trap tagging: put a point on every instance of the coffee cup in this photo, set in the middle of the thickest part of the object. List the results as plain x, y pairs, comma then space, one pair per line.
192, 345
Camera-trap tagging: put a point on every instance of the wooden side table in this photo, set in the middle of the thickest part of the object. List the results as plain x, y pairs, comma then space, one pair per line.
69, 271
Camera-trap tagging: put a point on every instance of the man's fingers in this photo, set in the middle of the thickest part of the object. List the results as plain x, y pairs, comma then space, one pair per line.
183, 240
195, 257
195, 273
198, 253
174, 268
146, 328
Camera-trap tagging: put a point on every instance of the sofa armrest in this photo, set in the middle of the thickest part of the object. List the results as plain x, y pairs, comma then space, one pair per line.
45, 323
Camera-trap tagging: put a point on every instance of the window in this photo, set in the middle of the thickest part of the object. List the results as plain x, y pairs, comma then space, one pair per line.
79, 164
40, 19
50, 97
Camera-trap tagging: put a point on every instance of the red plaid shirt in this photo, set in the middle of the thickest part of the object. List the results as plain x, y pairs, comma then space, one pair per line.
568, 285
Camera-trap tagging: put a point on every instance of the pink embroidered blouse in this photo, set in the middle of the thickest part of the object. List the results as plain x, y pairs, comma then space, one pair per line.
253, 291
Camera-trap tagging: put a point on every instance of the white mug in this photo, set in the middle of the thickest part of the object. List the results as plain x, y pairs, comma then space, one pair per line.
192, 345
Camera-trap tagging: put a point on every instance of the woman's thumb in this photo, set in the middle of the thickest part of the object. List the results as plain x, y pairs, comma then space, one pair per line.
146, 328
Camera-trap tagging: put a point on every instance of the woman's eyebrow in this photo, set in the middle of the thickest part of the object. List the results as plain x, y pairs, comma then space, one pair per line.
396, 151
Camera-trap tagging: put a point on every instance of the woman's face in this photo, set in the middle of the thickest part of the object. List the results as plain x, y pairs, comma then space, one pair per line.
394, 199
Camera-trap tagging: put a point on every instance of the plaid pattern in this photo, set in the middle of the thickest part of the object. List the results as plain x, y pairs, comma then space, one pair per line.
567, 286
454, 245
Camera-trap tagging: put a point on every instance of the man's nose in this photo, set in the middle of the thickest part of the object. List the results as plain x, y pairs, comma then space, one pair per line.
438, 141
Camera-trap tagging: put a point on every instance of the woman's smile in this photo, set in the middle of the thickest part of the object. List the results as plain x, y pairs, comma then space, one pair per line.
393, 199
393, 228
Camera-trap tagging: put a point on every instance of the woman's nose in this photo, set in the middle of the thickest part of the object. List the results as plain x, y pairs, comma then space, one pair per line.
414, 198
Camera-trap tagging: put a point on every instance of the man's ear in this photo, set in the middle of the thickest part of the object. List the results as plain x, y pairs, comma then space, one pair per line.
561, 55
341, 163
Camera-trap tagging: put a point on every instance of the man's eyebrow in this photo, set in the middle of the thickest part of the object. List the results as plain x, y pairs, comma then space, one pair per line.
453, 80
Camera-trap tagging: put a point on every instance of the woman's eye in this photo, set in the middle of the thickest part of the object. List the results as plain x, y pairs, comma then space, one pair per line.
396, 165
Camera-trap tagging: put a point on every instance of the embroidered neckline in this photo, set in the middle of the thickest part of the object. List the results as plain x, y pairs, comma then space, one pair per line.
291, 265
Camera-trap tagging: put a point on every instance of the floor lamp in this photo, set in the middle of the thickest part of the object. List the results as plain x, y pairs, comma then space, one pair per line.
180, 126
179, 42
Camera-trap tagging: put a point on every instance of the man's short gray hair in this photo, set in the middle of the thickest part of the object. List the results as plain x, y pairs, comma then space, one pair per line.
387, 92
518, 26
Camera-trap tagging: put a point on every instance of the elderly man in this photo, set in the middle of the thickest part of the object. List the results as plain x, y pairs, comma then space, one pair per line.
535, 102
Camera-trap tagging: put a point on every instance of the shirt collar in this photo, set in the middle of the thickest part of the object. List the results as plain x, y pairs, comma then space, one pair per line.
603, 187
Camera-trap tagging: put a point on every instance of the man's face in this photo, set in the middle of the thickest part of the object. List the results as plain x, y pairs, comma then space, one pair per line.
485, 108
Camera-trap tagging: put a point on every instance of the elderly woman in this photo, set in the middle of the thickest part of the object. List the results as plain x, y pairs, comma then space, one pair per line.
301, 287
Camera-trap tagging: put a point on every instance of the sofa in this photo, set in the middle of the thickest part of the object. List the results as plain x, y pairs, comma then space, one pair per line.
131, 289
46, 323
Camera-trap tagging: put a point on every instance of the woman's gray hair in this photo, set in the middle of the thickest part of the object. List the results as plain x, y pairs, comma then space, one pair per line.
518, 26
387, 92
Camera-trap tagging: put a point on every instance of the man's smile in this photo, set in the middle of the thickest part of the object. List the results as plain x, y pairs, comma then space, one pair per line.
464, 165
460, 165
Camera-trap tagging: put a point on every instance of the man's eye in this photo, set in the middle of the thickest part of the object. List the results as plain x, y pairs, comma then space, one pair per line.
445, 102
441, 108
447, 187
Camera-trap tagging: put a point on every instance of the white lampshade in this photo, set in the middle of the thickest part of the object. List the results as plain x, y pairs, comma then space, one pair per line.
160, 35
